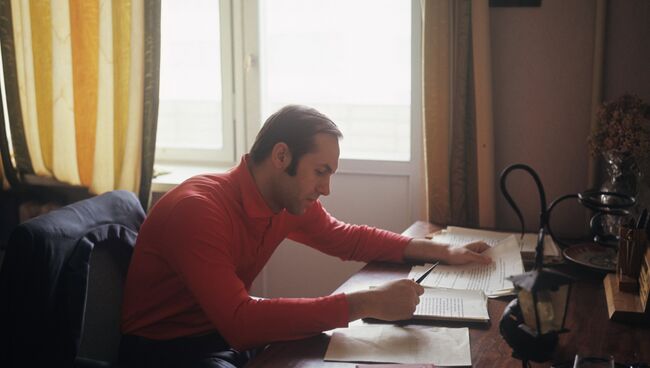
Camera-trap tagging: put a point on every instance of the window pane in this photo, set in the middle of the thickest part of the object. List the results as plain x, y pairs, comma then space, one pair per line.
190, 111
350, 59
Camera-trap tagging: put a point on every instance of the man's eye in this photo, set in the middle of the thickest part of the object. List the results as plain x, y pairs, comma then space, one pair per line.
320, 172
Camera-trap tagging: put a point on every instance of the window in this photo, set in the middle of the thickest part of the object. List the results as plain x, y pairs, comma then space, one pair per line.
350, 60
227, 65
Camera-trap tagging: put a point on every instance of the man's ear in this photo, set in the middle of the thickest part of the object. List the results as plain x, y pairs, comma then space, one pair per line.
281, 156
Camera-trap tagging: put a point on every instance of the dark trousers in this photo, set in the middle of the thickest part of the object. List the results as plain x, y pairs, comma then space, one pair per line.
206, 351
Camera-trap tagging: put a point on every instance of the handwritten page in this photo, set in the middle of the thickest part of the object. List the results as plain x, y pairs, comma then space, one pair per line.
491, 278
407, 345
452, 304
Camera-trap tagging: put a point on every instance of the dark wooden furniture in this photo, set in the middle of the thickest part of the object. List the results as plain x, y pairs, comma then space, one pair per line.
591, 331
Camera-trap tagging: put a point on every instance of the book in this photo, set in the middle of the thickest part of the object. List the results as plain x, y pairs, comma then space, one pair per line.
457, 236
443, 304
452, 305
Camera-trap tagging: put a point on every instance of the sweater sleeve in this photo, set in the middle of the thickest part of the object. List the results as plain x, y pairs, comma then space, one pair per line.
202, 256
320, 230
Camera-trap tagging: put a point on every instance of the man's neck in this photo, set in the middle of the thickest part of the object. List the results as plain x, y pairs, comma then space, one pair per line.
264, 181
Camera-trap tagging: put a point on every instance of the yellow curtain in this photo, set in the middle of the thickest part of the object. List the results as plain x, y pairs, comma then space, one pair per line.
79, 80
457, 113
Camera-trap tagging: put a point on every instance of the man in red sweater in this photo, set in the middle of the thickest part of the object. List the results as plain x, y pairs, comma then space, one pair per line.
186, 300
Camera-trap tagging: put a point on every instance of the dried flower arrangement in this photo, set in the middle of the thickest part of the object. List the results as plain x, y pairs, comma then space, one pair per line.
623, 129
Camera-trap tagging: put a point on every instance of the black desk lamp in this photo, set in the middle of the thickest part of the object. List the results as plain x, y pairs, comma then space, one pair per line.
532, 322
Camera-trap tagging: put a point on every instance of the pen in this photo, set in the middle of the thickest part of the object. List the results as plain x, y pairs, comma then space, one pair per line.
424, 275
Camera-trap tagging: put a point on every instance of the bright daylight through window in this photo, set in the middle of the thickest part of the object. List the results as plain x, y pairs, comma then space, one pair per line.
350, 59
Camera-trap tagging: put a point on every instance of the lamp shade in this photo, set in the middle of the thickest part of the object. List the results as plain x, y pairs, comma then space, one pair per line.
543, 299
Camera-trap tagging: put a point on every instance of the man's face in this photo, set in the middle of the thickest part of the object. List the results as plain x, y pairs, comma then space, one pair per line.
312, 177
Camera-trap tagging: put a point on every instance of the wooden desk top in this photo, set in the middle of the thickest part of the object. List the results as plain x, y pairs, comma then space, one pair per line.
591, 333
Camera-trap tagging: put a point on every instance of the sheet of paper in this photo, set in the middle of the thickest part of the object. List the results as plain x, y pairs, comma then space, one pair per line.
457, 236
407, 345
491, 278
452, 304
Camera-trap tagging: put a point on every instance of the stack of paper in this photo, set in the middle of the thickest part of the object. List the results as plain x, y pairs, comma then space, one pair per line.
393, 344
457, 236
490, 278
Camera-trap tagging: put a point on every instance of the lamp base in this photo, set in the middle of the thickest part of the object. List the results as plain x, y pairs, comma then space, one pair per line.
525, 344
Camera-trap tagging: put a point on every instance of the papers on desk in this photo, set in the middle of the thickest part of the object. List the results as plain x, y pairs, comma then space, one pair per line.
393, 344
452, 305
491, 278
457, 236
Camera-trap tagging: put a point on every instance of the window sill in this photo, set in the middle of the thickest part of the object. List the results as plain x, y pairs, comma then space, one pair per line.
173, 174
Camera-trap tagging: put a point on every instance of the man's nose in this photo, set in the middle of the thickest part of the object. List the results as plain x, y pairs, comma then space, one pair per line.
324, 187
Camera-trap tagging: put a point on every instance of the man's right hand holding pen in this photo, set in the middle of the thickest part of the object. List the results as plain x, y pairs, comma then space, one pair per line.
398, 299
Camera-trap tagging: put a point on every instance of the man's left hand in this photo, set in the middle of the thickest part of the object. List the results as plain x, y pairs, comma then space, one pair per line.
469, 253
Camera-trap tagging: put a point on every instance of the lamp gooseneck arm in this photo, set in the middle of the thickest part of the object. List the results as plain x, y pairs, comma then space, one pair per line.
543, 216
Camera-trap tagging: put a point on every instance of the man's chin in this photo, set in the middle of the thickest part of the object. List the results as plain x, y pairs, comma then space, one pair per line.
297, 211
300, 210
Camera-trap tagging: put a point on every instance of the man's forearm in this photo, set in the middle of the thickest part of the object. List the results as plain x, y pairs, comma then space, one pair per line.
423, 250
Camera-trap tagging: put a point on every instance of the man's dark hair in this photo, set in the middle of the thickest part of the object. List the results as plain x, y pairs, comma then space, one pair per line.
296, 126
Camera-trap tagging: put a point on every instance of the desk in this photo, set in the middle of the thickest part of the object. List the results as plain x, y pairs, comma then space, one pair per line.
591, 332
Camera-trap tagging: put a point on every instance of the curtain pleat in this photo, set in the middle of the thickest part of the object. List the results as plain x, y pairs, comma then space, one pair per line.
150, 104
4, 184
22, 160
41, 24
482, 68
122, 52
103, 172
26, 82
449, 109
63, 120
84, 25
130, 175
594, 165
436, 107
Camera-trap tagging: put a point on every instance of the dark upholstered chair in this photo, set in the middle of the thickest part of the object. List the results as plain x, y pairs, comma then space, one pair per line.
61, 283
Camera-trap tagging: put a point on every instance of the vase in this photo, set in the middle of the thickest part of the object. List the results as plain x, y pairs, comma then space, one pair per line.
623, 174
623, 177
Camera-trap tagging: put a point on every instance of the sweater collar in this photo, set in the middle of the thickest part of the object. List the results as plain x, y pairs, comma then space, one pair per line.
254, 204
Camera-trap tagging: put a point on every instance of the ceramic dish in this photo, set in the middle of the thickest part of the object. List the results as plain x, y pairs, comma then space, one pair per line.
593, 256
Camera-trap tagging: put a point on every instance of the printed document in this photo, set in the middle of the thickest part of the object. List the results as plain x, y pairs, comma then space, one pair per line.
491, 278
452, 305
407, 345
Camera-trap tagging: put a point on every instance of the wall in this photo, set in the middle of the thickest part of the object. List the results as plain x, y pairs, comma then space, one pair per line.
627, 56
542, 65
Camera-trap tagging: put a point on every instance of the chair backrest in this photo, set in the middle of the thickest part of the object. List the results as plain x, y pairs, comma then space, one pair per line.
61, 282
100, 339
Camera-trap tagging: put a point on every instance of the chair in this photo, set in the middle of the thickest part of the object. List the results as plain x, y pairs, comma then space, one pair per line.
61, 283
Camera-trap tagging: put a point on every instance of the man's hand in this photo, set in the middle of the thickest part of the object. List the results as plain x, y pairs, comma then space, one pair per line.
469, 253
392, 301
